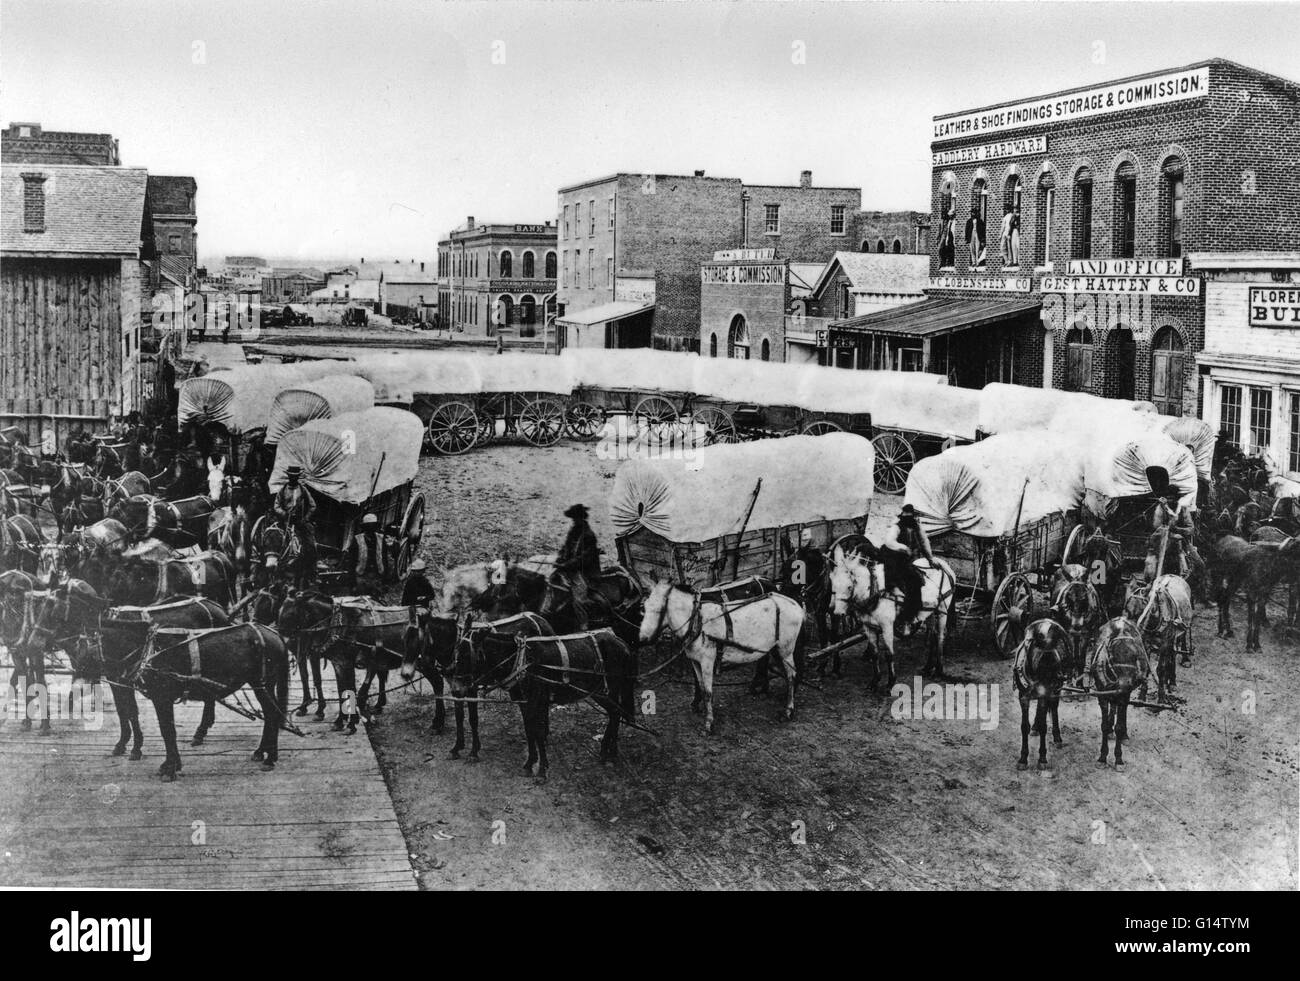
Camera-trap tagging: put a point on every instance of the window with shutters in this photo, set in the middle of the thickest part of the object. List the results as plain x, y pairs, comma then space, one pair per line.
1082, 239
591, 269
1125, 210
1261, 419
1174, 195
1230, 414
1168, 371
591, 212
1078, 367
1046, 214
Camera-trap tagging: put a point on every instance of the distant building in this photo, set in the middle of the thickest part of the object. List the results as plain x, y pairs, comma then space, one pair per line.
632, 246
497, 279
28, 143
897, 232
74, 241
284, 286
406, 289
172, 209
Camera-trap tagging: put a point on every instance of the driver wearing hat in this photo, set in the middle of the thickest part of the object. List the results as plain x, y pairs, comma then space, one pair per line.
366, 563
417, 590
293, 507
579, 562
905, 541
1180, 552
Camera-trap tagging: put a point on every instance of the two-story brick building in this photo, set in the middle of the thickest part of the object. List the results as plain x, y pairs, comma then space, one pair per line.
632, 247
174, 213
1061, 223
497, 279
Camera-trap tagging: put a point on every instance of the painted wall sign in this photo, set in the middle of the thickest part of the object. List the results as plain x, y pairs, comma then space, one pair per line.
983, 284
531, 229
1138, 93
1144, 285
1275, 306
1125, 267
629, 290
744, 255
1022, 147
768, 273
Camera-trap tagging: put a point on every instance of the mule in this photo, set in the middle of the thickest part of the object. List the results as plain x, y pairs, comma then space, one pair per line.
716, 634
1275, 535
612, 601
1078, 608
1254, 569
15, 584
498, 588
359, 631
1039, 669
140, 582
1116, 669
858, 589
1165, 625
303, 620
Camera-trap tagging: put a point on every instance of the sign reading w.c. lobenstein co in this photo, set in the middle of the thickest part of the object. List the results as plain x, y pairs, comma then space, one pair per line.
1137, 93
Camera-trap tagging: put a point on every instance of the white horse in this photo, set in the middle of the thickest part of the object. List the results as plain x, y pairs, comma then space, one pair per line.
216, 477
858, 587
732, 633
462, 585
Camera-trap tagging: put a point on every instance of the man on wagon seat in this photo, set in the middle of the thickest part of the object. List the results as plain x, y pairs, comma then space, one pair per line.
905, 541
293, 508
579, 562
1180, 552
365, 558
417, 590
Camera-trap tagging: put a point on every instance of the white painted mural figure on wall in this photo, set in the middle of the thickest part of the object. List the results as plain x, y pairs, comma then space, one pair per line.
948, 234
977, 239
1011, 238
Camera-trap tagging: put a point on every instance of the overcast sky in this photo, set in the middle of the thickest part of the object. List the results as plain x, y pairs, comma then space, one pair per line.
349, 128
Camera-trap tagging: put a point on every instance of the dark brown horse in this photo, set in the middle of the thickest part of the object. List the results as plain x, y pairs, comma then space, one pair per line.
434, 649
1042, 662
1118, 667
15, 584
1255, 569
140, 581
303, 620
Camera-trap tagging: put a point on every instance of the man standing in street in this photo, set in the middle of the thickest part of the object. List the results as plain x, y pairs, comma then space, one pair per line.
366, 564
417, 590
579, 562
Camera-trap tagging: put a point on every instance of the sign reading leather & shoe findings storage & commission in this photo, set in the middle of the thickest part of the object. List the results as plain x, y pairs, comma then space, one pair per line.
1275, 306
1137, 93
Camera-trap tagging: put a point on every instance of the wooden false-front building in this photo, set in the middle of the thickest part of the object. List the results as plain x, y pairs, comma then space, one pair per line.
73, 243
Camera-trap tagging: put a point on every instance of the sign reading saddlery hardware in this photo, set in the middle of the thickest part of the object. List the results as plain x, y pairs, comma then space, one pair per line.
1275, 306
1023, 147
1137, 93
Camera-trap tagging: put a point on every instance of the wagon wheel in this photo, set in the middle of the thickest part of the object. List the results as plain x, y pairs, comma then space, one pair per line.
487, 428
413, 522
542, 422
584, 421
821, 427
1013, 605
656, 420
405, 553
453, 428
714, 426
894, 459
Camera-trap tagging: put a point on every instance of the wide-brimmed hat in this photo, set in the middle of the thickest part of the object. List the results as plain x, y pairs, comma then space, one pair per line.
294, 471
576, 511
907, 512
368, 519
417, 566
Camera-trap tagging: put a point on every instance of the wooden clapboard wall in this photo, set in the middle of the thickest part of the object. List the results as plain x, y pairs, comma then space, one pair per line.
60, 344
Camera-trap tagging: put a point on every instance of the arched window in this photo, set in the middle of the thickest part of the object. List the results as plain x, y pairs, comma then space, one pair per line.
550, 265
1121, 357
1044, 219
1078, 364
765, 350
977, 238
713, 345
1081, 240
507, 310
507, 264
1172, 190
880, 245
1125, 210
528, 265
846, 300
1168, 371
898, 247
738, 338
866, 246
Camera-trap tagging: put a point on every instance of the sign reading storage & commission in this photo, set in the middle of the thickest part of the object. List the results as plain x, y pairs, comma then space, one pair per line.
1275, 306
756, 274
1023, 147
1146, 285
1138, 93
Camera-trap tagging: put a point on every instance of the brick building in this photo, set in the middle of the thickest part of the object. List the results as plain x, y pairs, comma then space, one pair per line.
1061, 224
28, 143
632, 247
894, 232
497, 279
173, 211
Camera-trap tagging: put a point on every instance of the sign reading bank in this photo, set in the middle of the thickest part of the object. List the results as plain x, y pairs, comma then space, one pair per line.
1138, 93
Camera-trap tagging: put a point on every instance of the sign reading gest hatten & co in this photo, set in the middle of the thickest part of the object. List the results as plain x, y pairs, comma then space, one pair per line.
1150, 277
1138, 93
1275, 306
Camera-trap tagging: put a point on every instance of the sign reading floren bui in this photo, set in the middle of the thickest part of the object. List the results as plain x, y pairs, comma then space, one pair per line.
1021, 147
1137, 93
1275, 306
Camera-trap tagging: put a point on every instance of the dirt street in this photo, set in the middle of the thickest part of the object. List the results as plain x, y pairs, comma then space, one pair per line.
845, 796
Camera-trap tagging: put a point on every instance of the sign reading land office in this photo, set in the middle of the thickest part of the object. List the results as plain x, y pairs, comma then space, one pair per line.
1275, 306
1138, 93
1025, 146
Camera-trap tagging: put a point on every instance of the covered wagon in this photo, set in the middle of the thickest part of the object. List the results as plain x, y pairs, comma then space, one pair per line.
354, 464
324, 398
723, 514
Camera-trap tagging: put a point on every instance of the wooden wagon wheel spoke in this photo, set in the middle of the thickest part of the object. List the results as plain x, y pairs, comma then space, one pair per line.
453, 428
894, 459
413, 521
542, 422
656, 420
1013, 605
585, 421
820, 427
711, 425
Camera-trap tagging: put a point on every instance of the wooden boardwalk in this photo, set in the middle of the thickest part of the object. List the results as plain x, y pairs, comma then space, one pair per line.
72, 816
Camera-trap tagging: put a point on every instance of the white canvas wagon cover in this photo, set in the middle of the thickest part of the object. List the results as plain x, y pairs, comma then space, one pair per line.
353, 456
805, 479
240, 398
1117, 459
1196, 433
519, 372
639, 369
329, 396
1014, 408
983, 489
401, 377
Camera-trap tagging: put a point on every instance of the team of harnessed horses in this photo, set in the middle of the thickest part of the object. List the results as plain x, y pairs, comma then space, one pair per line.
115, 593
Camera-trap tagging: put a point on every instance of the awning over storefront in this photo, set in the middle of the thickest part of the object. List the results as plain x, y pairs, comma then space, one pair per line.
933, 317
603, 314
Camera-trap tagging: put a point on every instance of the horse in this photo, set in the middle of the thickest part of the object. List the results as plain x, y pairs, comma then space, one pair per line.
49, 623
1103, 560
1275, 535
20, 542
181, 523
1039, 669
473, 658
122, 633
1255, 569
813, 593
139, 581
1077, 607
563, 670
135, 513
858, 588
15, 584
279, 548
498, 588
360, 631
716, 634
230, 528
303, 620
1118, 666
180, 663
64, 482
612, 599
1165, 624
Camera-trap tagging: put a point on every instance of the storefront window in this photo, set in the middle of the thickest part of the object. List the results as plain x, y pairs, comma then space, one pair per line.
1293, 444
1261, 419
1230, 413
